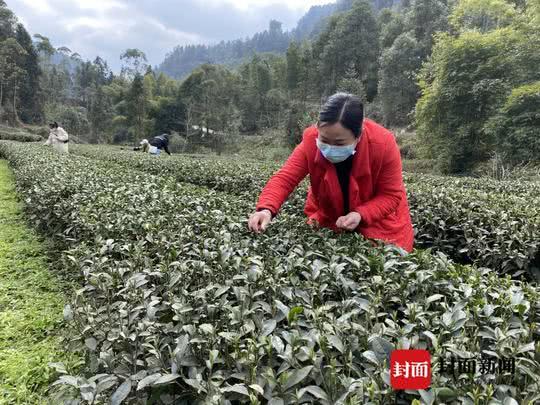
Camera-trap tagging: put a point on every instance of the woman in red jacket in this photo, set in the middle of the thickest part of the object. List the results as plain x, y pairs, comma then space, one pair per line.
356, 177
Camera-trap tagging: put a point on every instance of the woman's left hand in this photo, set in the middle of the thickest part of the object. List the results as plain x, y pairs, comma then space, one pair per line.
349, 222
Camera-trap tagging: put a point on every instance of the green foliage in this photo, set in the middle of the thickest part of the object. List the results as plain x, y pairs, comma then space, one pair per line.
44, 45
336, 55
171, 308
73, 119
301, 116
515, 127
30, 92
31, 303
136, 107
426, 18
398, 89
467, 82
483, 15
501, 232
495, 224
100, 116
168, 114
185, 59
135, 63
391, 25
11, 77
19, 135
209, 96
263, 100
461, 89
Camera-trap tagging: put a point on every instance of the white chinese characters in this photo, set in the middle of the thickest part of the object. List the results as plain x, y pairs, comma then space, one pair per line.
413, 369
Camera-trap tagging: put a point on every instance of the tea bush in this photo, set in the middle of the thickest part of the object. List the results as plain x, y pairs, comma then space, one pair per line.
14, 134
492, 223
180, 304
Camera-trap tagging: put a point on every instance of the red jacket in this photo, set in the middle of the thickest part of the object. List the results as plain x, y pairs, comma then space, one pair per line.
376, 189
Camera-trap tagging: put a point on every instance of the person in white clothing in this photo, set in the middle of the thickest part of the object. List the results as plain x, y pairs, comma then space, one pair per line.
58, 138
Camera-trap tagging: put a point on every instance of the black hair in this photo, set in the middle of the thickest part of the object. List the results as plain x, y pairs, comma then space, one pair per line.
345, 108
54, 125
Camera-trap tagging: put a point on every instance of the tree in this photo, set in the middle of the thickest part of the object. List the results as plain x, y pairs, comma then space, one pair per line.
11, 75
462, 88
425, 18
515, 127
472, 78
31, 95
352, 83
134, 63
99, 115
73, 118
209, 95
64, 50
359, 27
398, 88
104, 74
136, 102
484, 15
169, 114
391, 25
256, 83
293, 67
7, 21
44, 45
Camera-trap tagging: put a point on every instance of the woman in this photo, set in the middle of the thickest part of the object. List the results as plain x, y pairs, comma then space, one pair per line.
356, 177
159, 143
58, 138
145, 146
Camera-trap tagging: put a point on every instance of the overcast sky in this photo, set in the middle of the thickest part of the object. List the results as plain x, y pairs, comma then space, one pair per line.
108, 27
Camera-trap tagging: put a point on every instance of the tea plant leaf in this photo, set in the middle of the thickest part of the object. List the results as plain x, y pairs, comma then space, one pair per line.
238, 388
297, 376
269, 327
166, 379
91, 343
121, 393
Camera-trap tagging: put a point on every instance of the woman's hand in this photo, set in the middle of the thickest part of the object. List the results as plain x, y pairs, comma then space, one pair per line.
258, 221
349, 222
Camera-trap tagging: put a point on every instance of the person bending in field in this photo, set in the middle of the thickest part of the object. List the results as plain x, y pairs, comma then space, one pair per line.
354, 165
144, 146
159, 143
58, 138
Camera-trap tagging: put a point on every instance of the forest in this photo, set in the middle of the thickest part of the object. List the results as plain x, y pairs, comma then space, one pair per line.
462, 76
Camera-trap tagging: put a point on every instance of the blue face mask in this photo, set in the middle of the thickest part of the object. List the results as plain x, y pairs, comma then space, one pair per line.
336, 154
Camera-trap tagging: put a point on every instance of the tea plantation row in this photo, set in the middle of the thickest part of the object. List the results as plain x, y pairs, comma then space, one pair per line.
491, 223
13, 134
179, 303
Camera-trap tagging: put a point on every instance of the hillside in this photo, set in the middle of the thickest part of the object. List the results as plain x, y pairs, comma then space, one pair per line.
184, 59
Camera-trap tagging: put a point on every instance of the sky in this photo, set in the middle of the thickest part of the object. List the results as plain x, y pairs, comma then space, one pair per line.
108, 27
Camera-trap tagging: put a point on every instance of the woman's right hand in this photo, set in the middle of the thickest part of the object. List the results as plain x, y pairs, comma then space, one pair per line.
258, 221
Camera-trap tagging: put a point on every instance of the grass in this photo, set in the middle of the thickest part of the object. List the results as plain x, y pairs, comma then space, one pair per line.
31, 306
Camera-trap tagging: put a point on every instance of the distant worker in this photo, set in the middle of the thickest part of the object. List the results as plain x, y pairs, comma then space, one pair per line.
58, 138
159, 143
144, 146
354, 166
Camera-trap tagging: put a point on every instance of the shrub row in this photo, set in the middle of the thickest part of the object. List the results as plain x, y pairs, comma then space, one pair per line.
487, 222
180, 304
14, 134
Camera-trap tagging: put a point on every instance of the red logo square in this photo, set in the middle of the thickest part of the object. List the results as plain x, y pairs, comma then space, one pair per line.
410, 369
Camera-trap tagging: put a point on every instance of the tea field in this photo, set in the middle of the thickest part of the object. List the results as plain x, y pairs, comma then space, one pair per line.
177, 303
